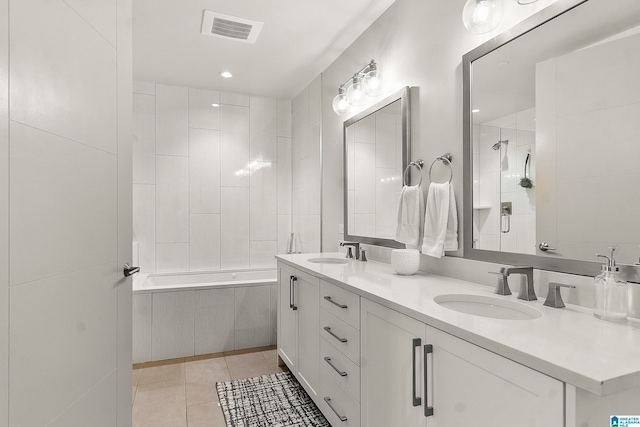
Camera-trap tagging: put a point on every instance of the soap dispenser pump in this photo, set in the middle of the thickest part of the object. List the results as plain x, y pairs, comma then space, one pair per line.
611, 292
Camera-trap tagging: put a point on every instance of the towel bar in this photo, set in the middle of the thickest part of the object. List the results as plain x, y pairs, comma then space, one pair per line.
446, 159
418, 164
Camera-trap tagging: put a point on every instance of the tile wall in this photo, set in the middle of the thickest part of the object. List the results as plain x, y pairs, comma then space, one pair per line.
588, 117
211, 185
306, 116
497, 174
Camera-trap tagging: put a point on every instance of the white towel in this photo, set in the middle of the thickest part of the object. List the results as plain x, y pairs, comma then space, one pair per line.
441, 221
410, 214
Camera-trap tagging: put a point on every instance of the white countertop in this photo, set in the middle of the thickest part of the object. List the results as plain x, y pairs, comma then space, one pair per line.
568, 344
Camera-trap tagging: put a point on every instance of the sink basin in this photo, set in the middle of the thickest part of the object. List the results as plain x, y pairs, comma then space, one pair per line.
328, 260
496, 308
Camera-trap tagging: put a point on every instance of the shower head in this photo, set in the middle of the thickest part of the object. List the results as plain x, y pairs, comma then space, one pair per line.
496, 146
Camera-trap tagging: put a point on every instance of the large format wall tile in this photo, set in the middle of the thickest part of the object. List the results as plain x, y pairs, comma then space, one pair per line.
144, 225
262, 253
101, 15
80, 228
172, 329
204, 242
172, 199
65, 84
263, 203
51, 339
172, 120
144, 139
202, 113
234, 148
284, 118
284, 176
234, 226
204, 171
253, 318
214, 320
171, 257
262, 129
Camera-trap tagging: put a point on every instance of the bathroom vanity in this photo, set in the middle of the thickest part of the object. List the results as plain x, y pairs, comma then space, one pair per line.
373, 348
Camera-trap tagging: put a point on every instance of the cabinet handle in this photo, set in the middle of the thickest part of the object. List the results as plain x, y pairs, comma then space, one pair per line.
328, 329
292, 282
428, 410
328, 298
342, 417
417, 342
342, 373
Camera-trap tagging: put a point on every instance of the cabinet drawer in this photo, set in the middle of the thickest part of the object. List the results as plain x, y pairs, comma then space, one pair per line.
341, 368
341, 303
335, 402
342, 335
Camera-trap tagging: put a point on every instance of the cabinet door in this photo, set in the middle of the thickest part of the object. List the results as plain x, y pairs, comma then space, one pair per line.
470, 386
308, 363
391, 368
287, 318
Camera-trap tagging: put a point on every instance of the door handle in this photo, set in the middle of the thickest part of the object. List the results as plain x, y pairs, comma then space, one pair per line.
129, 271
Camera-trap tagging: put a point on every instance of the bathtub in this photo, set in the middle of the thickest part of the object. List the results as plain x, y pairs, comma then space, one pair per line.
191, 280
177, 315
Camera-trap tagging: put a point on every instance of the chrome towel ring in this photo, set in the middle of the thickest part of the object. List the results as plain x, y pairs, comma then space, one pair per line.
446, 159
418, 164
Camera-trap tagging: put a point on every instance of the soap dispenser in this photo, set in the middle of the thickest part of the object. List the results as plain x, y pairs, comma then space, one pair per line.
611, 292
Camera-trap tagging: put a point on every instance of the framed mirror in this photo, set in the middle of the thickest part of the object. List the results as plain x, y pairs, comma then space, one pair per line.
552, 139
376, 152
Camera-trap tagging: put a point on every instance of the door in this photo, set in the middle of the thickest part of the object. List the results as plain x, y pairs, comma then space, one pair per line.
287, 317
391, 368
472, 386
65, 74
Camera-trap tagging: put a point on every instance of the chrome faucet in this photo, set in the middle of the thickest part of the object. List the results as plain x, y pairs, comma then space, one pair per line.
527, 291
356, 247
502, 288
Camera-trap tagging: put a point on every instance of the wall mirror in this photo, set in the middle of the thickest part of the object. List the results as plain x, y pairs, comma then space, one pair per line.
376, 152
552, 139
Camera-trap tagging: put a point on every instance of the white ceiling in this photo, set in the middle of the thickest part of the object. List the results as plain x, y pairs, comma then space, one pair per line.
299, 40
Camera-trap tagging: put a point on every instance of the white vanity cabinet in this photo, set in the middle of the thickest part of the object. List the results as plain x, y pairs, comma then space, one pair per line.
465, 384
298, 326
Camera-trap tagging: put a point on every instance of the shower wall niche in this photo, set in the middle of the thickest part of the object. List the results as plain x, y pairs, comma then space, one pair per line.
500, 153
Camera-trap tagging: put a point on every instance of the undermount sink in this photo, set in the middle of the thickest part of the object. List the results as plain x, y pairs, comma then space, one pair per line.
328, 260
479, 305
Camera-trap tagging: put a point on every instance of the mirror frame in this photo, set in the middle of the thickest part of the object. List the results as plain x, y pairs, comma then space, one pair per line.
403, 95
563, 265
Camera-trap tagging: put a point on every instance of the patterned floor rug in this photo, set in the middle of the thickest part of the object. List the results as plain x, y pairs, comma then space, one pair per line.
276, 400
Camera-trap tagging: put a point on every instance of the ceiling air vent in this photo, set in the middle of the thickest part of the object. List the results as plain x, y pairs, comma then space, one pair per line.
230, 27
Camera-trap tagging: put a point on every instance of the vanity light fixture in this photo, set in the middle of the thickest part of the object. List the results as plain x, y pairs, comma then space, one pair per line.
340, 104
367, 82
482, 16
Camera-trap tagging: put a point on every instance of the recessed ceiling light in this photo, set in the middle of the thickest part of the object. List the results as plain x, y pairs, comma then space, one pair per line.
475, 111
215, 105
226, 74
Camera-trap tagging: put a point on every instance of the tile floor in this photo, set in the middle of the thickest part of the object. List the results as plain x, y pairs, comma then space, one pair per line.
184, 394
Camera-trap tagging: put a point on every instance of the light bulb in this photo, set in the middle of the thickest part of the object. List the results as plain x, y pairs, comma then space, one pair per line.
355, 93
373, 81
482, 16
340, 104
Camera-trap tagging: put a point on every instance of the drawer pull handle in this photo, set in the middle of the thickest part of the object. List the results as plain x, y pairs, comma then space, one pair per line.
342, 373
328, 298
342, 417
328, 329
428, 410
417, 401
